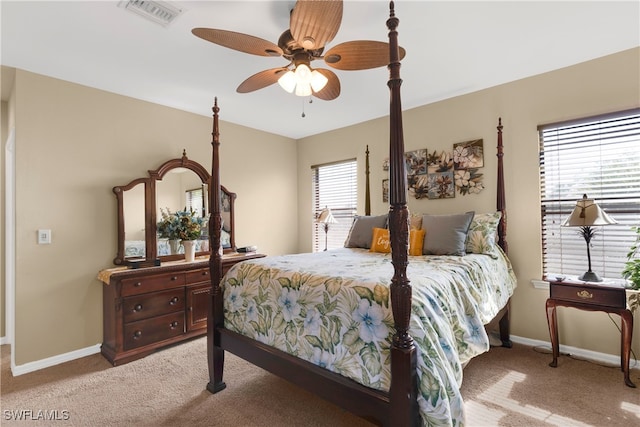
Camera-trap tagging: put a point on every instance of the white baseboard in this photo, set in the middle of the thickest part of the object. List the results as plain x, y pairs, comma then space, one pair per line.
575, 351
4, 340
54, 360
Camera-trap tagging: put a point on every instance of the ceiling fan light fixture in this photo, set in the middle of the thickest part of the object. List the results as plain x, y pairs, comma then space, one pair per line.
303, 89
318, 81
288, 81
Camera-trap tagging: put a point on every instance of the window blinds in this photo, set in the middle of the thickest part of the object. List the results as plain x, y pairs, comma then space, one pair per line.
334, 186
599, 157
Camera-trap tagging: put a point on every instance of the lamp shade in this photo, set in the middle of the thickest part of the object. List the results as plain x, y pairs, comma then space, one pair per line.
326, 217
587, 213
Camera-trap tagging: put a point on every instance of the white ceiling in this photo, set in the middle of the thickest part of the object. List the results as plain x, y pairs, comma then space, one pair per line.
453, 48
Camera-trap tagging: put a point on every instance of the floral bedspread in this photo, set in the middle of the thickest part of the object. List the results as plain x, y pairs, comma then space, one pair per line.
333, 309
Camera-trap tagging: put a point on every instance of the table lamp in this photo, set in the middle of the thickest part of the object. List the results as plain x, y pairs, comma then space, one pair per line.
326, 218
585, 215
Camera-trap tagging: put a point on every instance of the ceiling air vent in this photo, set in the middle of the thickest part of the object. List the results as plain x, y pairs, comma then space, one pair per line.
160, 12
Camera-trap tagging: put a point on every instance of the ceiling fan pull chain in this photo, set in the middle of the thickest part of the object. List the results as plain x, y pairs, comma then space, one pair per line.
303, 114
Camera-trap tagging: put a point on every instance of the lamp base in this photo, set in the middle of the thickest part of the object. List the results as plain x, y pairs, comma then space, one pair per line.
590, 276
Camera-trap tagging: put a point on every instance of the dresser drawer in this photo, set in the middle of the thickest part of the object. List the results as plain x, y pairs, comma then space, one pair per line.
589, 294
198, 276
149, 305
149, 331
141, 285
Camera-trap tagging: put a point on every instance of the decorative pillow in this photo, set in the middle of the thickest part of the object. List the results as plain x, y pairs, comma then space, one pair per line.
416, 241
482, 235
446, 234
361, 231
415, 221
380, 241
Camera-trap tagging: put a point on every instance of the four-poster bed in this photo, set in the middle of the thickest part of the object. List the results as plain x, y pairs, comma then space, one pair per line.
342, 320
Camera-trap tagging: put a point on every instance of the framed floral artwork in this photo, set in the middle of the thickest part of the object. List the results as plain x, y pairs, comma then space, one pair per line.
385, 191
441, 185
416, 162
440, 162
418, 186
469, 154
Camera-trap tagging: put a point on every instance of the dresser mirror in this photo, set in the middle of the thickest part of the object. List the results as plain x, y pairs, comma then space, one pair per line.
177, 185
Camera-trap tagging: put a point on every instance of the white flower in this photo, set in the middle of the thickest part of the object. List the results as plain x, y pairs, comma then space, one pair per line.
312, 322
322, 358
288, 302
252, 310
371, 326
234, 301
460, 155
462, 178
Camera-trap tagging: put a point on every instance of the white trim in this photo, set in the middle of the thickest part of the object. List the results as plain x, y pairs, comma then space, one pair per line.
575, 351
10, 241
54, 360
4, 340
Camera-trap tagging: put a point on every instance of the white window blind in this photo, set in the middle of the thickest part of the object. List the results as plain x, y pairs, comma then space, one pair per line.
335, 186
599, 157
195, 201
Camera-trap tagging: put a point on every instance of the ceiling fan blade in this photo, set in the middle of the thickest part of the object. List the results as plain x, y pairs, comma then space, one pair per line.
359, 55
315, 23
331, 89
261, 80
238, 41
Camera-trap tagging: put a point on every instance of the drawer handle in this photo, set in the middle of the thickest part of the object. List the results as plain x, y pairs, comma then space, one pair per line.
174, 301
138, 307
584, 294
137, 284
174, 278
174, 324
137, 334
205, 273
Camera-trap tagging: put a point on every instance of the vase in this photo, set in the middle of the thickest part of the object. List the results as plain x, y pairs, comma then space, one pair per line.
189, 250
174, 246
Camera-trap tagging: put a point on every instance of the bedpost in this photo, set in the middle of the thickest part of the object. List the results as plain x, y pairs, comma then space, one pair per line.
404, 385
215, 354
501, 204
367, 190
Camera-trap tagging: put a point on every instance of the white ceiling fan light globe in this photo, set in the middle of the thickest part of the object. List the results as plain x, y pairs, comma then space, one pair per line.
303, 74
303, 89
318, 81
288, 81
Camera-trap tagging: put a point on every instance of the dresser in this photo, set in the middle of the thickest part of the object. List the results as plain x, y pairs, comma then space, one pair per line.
150, 308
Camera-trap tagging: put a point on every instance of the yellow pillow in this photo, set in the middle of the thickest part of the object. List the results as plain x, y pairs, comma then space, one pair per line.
380, 242
416, 240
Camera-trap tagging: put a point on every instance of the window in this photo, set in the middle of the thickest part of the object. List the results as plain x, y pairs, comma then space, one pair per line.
599, 157
335, 187
195, 201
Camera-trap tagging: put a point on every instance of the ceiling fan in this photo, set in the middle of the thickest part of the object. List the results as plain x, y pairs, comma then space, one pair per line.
312, 25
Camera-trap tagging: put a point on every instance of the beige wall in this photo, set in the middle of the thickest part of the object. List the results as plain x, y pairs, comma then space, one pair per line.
604, 85
73, 145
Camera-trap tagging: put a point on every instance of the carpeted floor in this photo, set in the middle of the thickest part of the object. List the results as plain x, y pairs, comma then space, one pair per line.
504, 387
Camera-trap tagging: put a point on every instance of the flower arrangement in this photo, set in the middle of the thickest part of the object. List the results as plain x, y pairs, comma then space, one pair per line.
180, 225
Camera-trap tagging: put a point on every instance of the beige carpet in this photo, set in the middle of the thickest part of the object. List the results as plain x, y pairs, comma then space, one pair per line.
505, 387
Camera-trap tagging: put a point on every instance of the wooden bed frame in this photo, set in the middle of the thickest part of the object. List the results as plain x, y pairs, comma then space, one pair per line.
399, 406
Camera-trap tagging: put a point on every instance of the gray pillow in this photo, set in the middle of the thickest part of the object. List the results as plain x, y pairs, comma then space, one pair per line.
361, 231
446, 234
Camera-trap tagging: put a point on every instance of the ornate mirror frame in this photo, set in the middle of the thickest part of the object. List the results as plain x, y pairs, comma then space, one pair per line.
151, 209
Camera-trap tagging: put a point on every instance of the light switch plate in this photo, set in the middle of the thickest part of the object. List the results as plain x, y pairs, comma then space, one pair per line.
44, 237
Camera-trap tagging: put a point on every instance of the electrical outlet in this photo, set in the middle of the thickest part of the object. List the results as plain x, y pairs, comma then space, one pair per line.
44, 237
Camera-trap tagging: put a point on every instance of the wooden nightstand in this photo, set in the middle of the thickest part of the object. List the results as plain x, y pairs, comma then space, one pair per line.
592, 297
